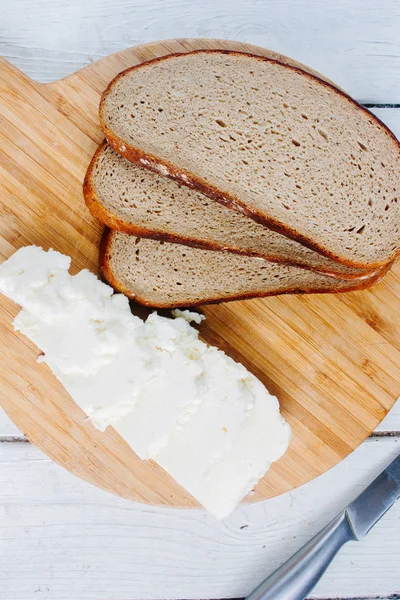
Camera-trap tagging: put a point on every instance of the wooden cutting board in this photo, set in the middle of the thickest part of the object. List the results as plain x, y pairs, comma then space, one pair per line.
333, 361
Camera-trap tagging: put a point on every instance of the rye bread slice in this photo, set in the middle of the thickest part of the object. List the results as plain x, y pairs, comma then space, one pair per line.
165, 275
137, 201
288, 149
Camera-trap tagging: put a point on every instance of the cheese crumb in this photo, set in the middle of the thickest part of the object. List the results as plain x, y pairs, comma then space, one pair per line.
188, 315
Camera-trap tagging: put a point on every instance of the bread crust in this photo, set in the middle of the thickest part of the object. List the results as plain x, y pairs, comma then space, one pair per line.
110, 220
109, 277
157, 164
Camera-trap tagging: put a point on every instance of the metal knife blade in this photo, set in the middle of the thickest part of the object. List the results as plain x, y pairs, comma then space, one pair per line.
375, 501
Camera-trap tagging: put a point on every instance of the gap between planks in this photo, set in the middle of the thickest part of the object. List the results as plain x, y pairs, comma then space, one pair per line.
392, 597
21, 439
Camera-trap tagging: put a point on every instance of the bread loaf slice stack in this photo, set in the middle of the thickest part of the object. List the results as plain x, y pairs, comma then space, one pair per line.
274, 178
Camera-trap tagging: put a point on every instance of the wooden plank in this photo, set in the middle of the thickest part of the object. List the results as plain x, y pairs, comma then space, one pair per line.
7, 427
391, 118
67, 539
354, 43
391, 423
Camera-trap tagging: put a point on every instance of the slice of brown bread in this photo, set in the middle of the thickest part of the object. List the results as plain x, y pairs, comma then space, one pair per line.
164, 274
134, 200
271, 140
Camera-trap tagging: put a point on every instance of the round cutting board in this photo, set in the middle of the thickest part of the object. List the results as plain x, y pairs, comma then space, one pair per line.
332, 360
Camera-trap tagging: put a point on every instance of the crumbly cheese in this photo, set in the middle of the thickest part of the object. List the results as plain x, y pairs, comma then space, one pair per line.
189, 316
203, 417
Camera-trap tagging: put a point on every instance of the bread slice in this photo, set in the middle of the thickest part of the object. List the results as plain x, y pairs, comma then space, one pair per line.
166, 275
271, 140
137, 201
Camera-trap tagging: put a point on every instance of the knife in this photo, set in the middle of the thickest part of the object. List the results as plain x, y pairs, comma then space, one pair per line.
296, 578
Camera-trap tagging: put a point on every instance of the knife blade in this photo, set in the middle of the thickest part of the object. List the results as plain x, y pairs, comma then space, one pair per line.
375, 501
296, 578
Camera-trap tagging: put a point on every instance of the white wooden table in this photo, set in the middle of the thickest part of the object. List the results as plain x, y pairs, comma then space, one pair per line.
60, 538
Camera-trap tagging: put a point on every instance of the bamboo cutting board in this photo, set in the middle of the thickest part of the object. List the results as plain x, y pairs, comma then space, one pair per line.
333, 361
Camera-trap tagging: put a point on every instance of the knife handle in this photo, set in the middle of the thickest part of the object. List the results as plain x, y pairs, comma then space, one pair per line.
295, 579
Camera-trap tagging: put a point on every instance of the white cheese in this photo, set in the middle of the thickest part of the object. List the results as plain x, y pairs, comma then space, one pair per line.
188, 315
203, 417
